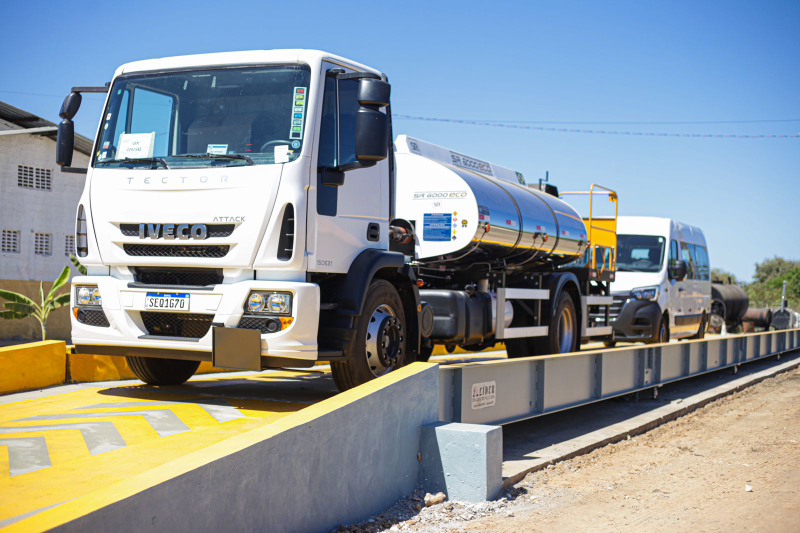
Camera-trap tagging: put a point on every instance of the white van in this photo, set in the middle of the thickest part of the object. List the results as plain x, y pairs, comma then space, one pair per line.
663, 281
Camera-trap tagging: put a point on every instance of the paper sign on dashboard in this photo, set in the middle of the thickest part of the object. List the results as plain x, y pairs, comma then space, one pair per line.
135, 145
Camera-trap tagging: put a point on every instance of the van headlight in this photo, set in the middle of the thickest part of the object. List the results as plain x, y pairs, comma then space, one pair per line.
645, 293
88, 295
269, 303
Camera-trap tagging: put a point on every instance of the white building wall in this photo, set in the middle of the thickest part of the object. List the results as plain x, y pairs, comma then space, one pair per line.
32, 211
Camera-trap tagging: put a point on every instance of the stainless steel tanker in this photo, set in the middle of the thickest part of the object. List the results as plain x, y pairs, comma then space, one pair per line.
467, 211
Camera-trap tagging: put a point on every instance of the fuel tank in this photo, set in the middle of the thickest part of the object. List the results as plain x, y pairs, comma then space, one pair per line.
467, 211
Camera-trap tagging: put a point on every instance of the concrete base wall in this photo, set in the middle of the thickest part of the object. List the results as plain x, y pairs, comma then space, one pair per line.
343, 466
58, 325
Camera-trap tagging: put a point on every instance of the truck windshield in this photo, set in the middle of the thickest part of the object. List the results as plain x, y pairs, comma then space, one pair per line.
640, 253
202, 118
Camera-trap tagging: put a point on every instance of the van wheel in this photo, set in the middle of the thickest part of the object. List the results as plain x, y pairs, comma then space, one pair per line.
155, 371
380, 341
662, 335
701, 332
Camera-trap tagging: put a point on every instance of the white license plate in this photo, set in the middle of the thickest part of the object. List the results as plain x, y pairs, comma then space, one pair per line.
168, 301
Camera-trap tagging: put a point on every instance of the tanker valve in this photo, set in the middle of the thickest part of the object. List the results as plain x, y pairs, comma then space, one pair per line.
400, 235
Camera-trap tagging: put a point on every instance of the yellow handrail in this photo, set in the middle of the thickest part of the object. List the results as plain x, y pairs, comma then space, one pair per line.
598, 242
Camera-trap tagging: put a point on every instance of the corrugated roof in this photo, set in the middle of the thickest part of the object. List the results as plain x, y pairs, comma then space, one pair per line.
26, 120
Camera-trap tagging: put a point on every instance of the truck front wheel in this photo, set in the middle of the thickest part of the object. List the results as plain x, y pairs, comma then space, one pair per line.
162, 371
380, 342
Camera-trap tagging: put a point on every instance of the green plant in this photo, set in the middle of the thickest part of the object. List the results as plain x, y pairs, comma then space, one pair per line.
81, 269
20, 306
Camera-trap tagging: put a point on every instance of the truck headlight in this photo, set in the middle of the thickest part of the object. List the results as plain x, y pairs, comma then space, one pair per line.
87, 295
269, 303
645, 293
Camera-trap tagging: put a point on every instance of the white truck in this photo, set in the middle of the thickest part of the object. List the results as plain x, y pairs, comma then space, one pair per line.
249, 209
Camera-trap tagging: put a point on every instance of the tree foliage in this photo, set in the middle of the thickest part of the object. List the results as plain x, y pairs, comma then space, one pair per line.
20, 306
719, 275
765, 290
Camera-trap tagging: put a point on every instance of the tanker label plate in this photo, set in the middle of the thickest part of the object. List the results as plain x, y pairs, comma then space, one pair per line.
437, 227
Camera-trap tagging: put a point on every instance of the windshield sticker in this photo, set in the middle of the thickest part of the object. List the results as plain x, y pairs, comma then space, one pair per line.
298, 113
437, 226
282, 153
218, 149
134, 145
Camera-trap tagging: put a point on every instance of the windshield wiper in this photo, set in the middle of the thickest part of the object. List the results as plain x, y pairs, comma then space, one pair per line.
217, 156
151, 160
626, 269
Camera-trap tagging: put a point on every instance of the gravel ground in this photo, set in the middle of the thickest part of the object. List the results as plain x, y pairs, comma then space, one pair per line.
733, 465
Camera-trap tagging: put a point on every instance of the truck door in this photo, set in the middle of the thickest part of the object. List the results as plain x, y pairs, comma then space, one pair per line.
688, 294
674, 294
354, 216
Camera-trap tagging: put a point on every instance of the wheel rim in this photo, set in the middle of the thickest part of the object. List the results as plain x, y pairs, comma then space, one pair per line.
662, 335
383, 340
566, 330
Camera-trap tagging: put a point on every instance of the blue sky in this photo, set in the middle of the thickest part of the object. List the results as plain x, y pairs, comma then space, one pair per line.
589, 62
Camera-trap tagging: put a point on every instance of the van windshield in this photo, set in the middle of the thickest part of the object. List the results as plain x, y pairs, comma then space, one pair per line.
640, 253
215, 117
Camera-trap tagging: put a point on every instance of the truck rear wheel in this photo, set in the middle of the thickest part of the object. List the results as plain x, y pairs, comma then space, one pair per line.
380, 341
162, 371
562, 335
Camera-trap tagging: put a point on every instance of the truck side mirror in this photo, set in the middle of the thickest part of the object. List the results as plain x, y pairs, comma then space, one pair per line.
65, 143
678, 271
70, 106
372, 125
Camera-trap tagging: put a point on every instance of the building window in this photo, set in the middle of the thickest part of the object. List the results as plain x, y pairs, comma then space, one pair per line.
43, 244
69, 245
34, 178
9, 242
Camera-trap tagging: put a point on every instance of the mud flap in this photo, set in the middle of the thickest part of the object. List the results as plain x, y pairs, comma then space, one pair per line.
236, 348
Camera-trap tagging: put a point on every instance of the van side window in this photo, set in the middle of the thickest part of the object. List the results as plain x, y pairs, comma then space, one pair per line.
703, 264
673, 253
686, 255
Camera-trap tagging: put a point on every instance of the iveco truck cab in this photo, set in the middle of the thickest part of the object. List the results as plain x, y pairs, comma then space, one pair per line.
662, 288
250, 209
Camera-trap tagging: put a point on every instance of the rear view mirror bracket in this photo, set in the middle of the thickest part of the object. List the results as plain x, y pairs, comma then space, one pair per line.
65, 141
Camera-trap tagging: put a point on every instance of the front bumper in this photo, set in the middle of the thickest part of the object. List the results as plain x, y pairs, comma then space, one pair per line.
221, 305
637, 321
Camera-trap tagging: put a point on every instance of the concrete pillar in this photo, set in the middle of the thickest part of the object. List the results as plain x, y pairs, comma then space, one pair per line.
462, 460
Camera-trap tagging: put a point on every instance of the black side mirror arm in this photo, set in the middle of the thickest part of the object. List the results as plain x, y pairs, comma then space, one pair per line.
65, 141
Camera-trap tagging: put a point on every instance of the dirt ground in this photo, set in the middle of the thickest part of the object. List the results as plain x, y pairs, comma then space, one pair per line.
690, 475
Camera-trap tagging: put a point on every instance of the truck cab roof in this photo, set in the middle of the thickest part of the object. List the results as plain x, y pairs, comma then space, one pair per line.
249, 57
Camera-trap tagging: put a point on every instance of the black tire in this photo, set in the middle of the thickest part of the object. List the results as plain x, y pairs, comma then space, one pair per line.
662, 335
382, 315
609, 344
563, 328
522, 347
425, 353
701, 331
155, 371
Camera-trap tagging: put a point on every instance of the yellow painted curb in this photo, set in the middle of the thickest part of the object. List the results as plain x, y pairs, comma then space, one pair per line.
88, 368
32, 366
115, 492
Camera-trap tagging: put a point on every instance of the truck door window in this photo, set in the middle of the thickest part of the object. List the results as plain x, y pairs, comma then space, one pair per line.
348, 107
686, 255
328, 149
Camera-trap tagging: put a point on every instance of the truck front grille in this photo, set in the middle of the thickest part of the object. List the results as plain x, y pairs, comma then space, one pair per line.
92, 317
178, 278
185, 325
175, 250
214, 230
